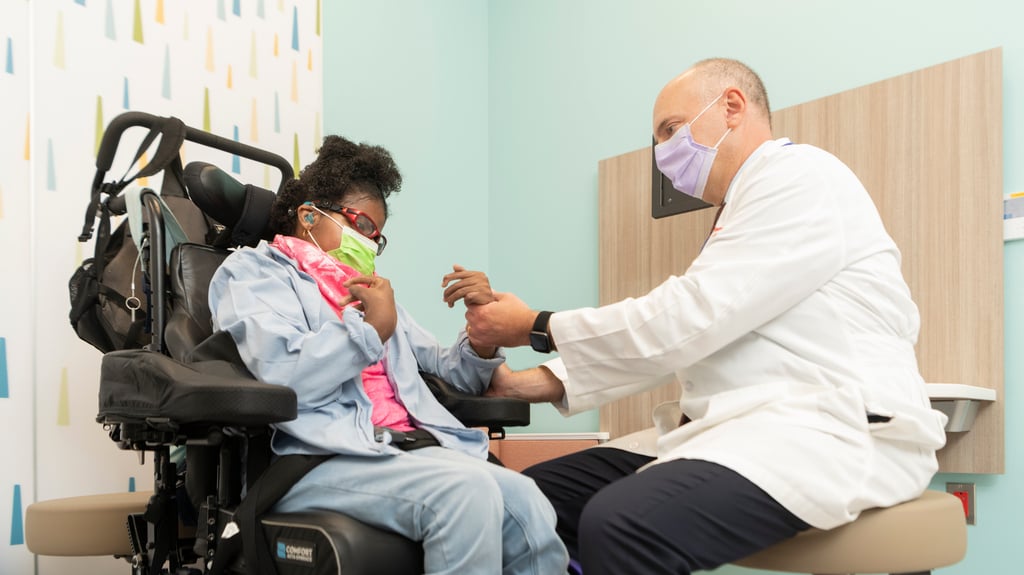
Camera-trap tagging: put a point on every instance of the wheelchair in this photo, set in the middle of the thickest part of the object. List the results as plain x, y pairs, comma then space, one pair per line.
187, 400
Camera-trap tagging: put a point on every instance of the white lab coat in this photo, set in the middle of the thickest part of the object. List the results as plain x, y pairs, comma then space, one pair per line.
790, 327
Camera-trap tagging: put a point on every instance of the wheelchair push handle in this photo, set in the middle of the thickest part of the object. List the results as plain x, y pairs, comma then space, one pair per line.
117, 126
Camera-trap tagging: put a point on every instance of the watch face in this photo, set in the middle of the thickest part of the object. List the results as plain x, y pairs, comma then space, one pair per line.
539, 342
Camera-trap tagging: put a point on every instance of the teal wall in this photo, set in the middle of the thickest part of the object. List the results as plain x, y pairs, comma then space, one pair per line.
547, 88
412, 77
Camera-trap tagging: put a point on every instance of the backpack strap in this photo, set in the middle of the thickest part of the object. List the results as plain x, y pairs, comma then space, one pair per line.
172, 135
245, 531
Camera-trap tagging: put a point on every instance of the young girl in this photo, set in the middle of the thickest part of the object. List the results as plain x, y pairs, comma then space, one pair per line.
307, 311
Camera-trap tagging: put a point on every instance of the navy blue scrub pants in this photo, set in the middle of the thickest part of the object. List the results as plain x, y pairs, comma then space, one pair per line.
674, 518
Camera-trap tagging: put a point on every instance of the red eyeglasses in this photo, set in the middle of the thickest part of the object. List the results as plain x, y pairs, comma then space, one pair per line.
363, 223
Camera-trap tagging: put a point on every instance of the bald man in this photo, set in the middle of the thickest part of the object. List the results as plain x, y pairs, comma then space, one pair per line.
791, 335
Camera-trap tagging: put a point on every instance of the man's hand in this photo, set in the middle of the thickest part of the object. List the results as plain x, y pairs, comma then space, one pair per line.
472, 286
505, 322
378, 303
535, 385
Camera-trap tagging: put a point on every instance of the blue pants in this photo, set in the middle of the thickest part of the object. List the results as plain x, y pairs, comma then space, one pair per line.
472, 516
672, 518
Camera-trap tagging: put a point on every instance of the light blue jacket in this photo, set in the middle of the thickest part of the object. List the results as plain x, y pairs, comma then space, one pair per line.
287, 334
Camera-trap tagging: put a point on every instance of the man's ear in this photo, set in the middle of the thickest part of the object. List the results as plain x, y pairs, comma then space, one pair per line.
735, 106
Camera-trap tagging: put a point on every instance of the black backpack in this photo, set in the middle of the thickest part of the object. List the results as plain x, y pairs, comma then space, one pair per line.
110, 307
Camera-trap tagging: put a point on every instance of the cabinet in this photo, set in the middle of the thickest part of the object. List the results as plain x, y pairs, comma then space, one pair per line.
521, 450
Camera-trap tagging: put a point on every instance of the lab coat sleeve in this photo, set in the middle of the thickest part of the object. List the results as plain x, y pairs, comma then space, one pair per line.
776, 243
459, 365
258, 301
579, 398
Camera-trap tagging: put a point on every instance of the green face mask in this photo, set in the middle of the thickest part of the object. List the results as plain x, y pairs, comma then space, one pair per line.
356, 250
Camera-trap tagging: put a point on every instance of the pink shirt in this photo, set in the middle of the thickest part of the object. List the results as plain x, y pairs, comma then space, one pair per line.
330, 275
387, 411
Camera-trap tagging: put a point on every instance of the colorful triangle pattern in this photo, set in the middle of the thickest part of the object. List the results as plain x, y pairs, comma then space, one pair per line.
63, 403
137, 30
295, 28
143, 160
5, 391
236, 162
206, 109
110, 30
17, 526
209, 49
99, 124
252, 58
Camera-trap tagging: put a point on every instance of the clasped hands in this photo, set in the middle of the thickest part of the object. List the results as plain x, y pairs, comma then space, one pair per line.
493, 319
377, 300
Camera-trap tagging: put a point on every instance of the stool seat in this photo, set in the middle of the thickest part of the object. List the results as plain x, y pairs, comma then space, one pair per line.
912, 537
80, 526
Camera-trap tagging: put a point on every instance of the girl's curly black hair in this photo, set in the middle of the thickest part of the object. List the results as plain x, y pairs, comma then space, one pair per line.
341, 172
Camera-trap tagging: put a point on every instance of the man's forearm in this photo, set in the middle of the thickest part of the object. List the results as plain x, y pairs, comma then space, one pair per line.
536, 384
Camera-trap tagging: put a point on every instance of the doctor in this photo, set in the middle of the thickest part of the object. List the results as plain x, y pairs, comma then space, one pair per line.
792, 335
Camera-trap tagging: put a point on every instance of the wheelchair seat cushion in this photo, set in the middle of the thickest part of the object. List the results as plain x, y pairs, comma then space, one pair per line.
141, 385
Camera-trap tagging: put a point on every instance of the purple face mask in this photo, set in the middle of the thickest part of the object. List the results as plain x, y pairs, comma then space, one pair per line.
686, 162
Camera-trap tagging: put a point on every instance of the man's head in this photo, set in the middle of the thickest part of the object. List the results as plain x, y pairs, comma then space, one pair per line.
735, 115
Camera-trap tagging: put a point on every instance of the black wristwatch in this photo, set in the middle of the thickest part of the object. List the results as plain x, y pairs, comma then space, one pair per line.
539, 338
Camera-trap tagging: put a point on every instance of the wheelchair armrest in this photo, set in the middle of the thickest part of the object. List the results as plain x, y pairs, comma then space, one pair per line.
478, 411
141, 386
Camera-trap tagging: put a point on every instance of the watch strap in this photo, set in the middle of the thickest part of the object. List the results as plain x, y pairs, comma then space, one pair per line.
540, 340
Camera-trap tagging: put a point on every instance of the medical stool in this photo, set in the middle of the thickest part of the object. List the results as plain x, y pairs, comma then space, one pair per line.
911, 538
92, 525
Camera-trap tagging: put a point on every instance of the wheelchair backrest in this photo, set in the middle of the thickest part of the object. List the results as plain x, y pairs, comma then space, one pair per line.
243, 211
190, 322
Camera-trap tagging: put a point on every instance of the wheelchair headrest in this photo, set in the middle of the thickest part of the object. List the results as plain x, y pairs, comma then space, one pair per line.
242, 208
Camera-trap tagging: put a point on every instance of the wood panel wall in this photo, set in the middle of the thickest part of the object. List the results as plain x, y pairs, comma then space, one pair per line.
928, 147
